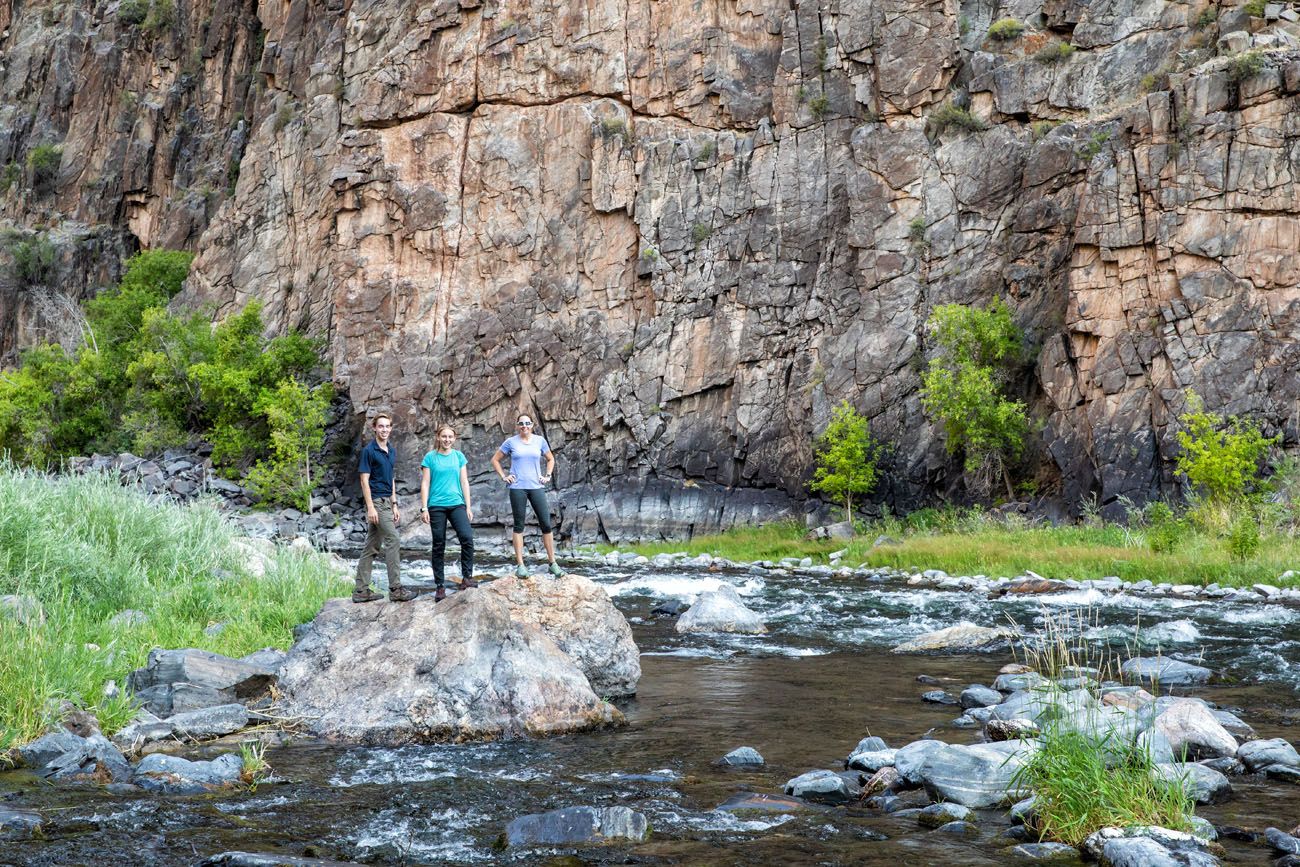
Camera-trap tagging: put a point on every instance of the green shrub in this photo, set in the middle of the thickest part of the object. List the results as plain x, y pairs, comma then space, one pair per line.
1220, 457
1006, 29
1246, 65
701, 232
950, 114
1243, 536
33, 258
1164, 528
1208, 16
43, 163
296, 415
819, 105
846, 456
1054, 52
9, 176
132, 13
1095, 143
161, 17
1040, 128
1255, 8
976, 351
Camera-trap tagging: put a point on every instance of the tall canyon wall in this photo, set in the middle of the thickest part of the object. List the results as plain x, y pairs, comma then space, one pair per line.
680, 231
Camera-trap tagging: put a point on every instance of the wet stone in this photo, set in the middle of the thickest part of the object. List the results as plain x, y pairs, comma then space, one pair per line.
1165, 671
936, 815
977, 695
938, 696
761, 802
742, 757
269, 859
871, 760
212, 722
1282, 841
18, 824
1205, 785
823, 787
577, 825
1274, 751
1048, 853
177, 776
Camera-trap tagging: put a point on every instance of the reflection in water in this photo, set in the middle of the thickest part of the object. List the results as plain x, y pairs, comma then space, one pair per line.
802, 695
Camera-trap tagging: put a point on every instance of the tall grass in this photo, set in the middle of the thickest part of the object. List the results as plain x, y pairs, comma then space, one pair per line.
964, 542
1085, 780
87, 548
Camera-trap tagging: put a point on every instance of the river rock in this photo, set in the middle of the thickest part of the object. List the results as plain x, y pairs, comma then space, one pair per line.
1010, 729
886, 779
1193, 731
1258, 755
871, 760
978, 695
1130, 697
268, 658
18, 824
269, 859
173, 775
1284, 773
742, 757
961, 638
938, 696
68, 757
26, 610
721, 610
419, 671
211, 722
762, 803
1204, 784
572, 825
1163, 671
977, 776
1228, 766
1282, 842
49, 747
823, 787
1017, 681
936, 815
176, 681
910, 760
1147, 846
578, 615
1047, 853
1235, 725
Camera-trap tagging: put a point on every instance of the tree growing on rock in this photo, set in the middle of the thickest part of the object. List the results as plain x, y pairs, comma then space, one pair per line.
297, 416
846, 456
977, 350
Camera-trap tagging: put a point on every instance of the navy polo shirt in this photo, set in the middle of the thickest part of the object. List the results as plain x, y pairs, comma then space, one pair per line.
379, 464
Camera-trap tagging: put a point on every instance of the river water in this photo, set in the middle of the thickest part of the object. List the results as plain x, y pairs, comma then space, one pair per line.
803, 695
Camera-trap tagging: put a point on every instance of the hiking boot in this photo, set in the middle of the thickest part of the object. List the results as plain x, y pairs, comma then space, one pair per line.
440, 594
402, 594
366, 595
555, 569
521, 571
466, 583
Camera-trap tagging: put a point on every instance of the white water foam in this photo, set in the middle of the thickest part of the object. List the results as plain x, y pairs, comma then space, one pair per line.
1259, 614
437, 836
678, 586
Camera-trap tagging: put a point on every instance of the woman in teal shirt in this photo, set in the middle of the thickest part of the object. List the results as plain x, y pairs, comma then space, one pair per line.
444, 491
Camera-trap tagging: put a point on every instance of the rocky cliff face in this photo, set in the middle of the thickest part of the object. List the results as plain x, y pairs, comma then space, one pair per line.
679, 232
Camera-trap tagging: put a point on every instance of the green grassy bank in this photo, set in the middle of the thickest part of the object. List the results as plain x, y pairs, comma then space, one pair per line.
86, 549
969, 544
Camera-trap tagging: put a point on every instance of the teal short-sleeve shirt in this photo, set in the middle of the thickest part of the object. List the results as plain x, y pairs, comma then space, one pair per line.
444, 478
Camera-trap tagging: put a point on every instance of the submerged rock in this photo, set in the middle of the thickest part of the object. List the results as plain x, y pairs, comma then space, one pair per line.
1147, 846
940, 814
578, 615
18, 824
763, 803
269, 859
577, 825
962, 638
721, 610
176, 776
742, 757
419, 671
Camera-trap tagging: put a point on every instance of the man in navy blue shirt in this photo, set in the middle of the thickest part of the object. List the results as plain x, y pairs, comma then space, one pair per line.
377, 487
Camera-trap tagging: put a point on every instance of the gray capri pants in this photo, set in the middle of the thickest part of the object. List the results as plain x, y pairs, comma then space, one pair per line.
519, 499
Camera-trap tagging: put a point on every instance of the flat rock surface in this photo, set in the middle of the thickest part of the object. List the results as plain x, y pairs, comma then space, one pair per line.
424, 671
962, 638
577, 825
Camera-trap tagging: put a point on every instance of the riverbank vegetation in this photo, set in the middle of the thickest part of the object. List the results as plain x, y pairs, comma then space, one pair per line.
143, 378
967, 541
97, 574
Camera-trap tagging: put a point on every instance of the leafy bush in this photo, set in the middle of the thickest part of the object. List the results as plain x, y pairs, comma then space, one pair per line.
846, 457
1054, 52
1246, 65
1006, 29
33, 258
1208, 16
1221, 457
1095, 143
43, 162
9, 176
1255, 8
132, 13
951, 114
1243, 536
962, 389
161, 17
1164, 528
147, 379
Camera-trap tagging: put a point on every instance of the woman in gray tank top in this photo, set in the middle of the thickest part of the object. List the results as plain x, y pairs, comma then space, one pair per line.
527, 481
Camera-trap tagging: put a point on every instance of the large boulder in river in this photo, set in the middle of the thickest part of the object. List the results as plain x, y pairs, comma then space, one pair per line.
177, 681
391, 673
578, 616
1193, 731
962, 638
976, 776
721, 610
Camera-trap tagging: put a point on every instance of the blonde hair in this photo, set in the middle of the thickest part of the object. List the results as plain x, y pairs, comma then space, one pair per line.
442, 427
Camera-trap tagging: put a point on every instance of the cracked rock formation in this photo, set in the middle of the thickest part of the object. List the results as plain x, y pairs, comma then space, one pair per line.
678, 233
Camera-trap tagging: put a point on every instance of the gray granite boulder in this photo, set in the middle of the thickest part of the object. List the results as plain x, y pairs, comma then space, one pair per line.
823, 787
1193, 731
1147, 846
910, 760
1204, 784
871, 760
721, 610
742, 757
67, 757
942, 813
176, 681
1258, 755
210, 722
1047, 853
962, 638
1164, 672
979, 696
574, 825
176, 776
977, 776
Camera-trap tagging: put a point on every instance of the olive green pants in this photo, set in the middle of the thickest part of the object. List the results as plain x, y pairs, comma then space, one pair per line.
381, 537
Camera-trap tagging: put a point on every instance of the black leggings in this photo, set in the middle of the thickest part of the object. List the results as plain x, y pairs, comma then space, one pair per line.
438, 517
541, 508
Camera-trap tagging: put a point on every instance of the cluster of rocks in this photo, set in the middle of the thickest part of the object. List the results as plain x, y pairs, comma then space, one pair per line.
1189, 740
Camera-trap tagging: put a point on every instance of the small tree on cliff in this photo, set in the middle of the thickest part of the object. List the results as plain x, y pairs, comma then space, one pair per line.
846, 457
1221, 456
976, 351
